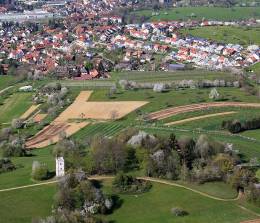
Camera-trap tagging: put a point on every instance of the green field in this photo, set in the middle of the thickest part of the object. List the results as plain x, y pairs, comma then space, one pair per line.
6, 81
141, 77
172, 76
214, 13
235, 35
218, 189
253, 134
105, 129
14, 106
256, 68
153, 206
22, 175
21, 206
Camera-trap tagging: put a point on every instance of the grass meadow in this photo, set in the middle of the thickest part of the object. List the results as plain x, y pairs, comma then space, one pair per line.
153, 206
213, 13
14, 106
226, 34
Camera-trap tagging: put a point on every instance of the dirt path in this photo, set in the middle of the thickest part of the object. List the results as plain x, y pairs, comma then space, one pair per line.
142, 178
199, 117
187, 188
2, 91
251, 212
28, 186
155, 181
252, 221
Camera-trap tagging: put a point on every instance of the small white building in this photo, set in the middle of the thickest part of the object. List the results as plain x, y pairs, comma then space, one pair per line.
60, 167
27, 88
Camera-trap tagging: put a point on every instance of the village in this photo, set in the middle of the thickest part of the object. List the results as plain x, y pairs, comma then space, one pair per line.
83, 45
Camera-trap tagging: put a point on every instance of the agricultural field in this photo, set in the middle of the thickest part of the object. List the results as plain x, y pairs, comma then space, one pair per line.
214, 13
74, 118
242, 35
14, 106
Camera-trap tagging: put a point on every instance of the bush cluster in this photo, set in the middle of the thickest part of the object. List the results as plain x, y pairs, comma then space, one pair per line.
236, 126
6, 165
124, 183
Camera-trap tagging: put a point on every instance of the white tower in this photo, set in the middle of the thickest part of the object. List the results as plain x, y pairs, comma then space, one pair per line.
60, 167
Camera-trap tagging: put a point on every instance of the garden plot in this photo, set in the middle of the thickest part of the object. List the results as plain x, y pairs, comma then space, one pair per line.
166, 113
74, 118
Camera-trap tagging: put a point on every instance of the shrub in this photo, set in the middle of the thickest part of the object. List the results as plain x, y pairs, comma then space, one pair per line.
39, 171
17, 123
253, 195
6, 165
179, 212
14, 148
237, 126
124, 183
159, 87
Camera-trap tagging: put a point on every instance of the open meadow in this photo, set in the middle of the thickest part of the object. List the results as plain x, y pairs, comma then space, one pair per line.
213, 13
14, 106
36, 202
223, 34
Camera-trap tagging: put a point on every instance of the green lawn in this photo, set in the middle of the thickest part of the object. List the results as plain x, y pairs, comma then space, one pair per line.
21, 206
160, 76
14, 106
214, 13
252, 133
218, 189
22, 175
153, 207
244, 36
6, 81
